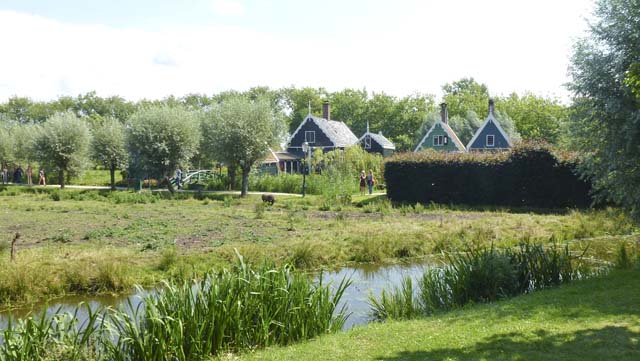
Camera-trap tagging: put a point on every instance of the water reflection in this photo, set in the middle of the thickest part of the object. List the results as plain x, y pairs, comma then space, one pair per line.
366, 280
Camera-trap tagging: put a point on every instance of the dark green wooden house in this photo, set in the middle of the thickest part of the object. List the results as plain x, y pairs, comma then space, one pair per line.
440, 136
490, 135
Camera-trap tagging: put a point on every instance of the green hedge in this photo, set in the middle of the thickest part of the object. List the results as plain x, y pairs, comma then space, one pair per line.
530, 175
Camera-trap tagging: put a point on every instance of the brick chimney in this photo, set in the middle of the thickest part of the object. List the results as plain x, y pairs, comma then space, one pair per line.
326, 110
492, 106
444, 115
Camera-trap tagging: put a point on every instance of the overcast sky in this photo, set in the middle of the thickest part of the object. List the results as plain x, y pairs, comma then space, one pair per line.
154, 48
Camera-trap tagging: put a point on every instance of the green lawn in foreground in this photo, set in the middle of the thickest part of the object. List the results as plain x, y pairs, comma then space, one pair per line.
598, 319
98, 241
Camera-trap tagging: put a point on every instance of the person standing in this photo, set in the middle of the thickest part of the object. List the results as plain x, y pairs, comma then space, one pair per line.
363, 182
5, 173
370, 181
179, 178
41, 178
29, 175
17, 175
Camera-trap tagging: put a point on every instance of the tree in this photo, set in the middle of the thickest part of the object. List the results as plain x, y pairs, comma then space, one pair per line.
536, 118
6, 146
62, 143
466, 95
108, 146
161, 138
606, 121
240, 131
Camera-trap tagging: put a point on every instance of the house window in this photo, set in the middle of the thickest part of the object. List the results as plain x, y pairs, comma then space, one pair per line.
438, 140
446, 140
310, 136
490, 140
367, 142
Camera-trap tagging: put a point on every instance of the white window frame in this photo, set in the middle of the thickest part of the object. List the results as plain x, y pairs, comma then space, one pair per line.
308, 134
493, 140
438, 140
367, 142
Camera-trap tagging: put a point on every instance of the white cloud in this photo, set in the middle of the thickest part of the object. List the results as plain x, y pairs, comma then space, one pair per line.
44, 59
228, 7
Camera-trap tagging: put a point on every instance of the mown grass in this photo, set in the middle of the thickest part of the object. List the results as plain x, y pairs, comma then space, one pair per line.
594, 319
146, 237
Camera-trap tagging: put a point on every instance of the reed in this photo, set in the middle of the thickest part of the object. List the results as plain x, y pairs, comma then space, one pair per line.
480, 275
237, 309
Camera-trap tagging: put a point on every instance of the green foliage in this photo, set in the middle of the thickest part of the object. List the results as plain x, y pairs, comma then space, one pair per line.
108, 146
161, 138
532, 175
238, 309
480, 275
62, 144
239, 131
535, 117
606, 115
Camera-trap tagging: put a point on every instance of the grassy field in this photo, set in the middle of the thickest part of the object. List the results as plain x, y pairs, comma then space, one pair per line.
95, 241
597, 319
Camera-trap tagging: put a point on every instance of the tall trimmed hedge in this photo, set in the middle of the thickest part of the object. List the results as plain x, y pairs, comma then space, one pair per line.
530, 175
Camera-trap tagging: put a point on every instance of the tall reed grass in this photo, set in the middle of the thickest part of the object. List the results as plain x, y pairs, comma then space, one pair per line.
237, 309
483, 274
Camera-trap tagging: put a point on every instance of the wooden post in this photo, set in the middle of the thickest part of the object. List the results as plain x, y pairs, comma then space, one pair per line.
13, 246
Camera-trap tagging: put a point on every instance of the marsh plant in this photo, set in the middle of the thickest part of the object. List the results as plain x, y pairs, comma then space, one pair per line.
483, 274
241, 308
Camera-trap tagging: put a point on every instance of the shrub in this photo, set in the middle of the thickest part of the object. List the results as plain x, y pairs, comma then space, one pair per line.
530, 175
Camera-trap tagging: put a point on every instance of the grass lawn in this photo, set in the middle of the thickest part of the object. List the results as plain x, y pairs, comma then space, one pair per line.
89, 241
597, 319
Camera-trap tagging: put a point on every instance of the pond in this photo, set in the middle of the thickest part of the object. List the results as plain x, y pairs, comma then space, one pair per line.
367, 279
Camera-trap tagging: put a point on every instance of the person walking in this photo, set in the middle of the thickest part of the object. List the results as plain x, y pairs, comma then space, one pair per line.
29, 175
42, 180
363, 182
370, 181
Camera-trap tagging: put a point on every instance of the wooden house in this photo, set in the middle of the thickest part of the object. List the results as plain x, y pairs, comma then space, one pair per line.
440, 136
490, 135
321, 133
376, 143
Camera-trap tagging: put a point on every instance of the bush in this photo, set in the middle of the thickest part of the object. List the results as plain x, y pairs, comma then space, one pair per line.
531, 175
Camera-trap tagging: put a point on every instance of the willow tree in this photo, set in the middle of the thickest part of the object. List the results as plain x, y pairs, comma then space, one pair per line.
62, 144
240, 131
108, 147
606, 84
161, 138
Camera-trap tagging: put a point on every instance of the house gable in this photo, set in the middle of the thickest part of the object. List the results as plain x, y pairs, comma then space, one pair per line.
490, 130
376, 143
439, 129
309, 124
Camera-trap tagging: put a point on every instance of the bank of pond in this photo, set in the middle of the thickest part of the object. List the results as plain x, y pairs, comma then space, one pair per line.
247, 307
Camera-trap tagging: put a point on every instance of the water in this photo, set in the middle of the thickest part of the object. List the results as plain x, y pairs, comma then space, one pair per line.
366, 280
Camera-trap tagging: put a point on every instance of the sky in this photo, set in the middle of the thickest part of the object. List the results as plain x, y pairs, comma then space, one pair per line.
155, 48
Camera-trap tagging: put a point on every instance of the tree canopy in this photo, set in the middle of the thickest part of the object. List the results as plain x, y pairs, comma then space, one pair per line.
240, 131
108, 146
160, 138
62, 144
606, 114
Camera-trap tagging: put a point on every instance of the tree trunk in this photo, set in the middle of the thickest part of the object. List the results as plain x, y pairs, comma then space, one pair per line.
113, 178
231, 171
245, 181
169, 185
61, 178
